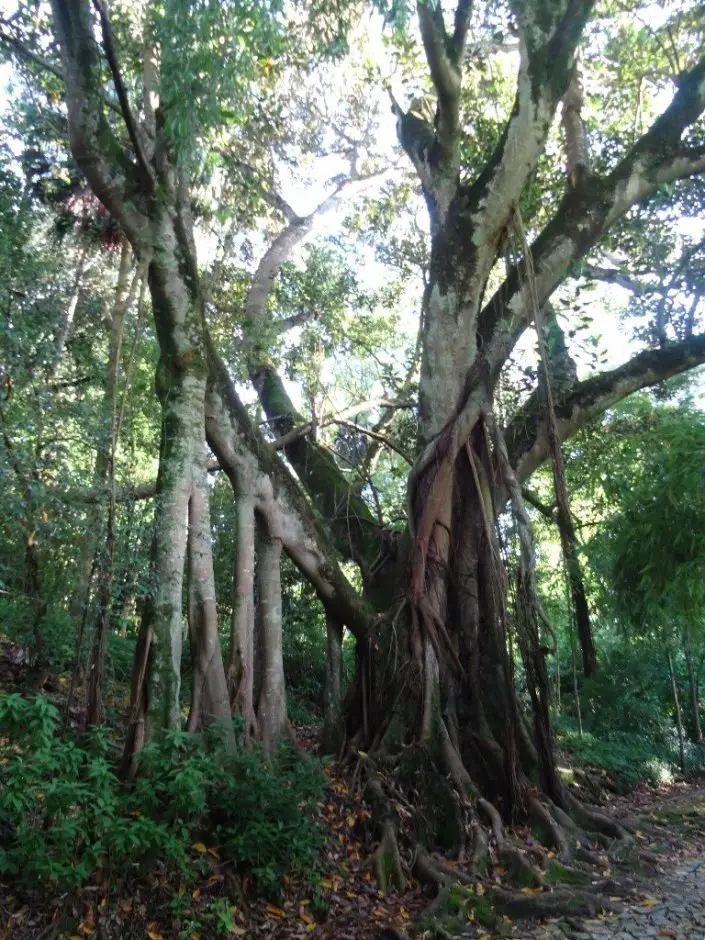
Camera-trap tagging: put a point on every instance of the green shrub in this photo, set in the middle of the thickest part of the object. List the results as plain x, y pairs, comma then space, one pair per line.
64, 815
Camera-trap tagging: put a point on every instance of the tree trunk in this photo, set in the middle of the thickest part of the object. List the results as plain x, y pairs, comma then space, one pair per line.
105, 473
677, 707
209, 697
94, 514
155, 704
242, 649
693, 689
569, 544
333, 721
66, 322
271, 713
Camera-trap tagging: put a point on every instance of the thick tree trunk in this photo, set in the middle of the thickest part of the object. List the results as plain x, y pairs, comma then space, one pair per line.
209, 696
333, 722
155, 704
271, 713
693, 689
242, 642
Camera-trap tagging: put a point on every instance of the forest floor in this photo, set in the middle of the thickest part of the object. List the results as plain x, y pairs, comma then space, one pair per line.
667, 899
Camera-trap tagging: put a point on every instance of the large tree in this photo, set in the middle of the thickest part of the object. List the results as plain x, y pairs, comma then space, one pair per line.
434, 697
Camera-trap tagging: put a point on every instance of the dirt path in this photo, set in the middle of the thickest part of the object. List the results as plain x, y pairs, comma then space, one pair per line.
668, 902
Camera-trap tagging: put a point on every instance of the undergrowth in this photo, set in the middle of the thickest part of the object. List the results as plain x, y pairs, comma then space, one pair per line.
65, 818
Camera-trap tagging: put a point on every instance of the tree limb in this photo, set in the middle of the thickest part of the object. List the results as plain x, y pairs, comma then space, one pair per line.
616, 276
587, 211
527, 432
23, 52
113, 177
270, 196
121, 91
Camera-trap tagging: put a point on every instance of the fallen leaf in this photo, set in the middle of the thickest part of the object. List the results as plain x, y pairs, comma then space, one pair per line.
200, 848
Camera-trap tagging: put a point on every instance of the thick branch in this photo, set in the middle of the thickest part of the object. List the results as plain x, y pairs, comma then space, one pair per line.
527, 433
444, 56
111, 174
121, 91
270, 195
587, 211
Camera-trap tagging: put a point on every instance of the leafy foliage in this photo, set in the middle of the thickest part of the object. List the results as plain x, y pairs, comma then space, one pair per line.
65, 816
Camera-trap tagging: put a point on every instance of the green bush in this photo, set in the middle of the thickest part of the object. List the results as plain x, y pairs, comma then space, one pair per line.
628, 758
64, 815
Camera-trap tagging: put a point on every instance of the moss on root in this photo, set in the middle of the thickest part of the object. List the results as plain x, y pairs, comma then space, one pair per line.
454, 907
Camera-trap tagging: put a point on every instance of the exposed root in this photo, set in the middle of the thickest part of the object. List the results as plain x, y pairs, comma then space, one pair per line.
592, 820
386, 860
549, 831
435, 872
548, 904
494, 819
521, 872
479, 854
559, 874
590, 858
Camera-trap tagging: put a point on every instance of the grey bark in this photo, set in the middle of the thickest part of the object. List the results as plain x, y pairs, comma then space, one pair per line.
271, 712
242, 649
333, 720
209, 698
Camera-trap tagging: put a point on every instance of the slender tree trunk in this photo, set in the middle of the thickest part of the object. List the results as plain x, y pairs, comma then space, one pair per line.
333, 722
677, 707
209, 696
271, 714
66, 322
94, 515
242, 649
693, 689
105, 473
569, 544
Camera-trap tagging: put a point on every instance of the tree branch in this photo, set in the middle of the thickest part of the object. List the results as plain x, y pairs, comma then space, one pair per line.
113, 177
23, 52
616, 276
587, 211
527, 433
270, 196
121, 91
